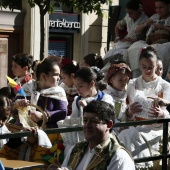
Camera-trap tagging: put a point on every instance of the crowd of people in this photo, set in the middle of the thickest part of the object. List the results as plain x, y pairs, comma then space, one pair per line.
99, 91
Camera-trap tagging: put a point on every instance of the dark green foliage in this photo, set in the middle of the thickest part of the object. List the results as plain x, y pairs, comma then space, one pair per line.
12, 4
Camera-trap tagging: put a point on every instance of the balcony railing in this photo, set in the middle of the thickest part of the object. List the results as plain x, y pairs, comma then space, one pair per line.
163, 156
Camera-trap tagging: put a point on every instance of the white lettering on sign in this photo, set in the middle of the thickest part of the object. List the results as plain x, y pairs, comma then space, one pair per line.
64, 24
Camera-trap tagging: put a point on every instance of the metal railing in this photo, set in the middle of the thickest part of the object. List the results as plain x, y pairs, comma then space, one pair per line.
163, 156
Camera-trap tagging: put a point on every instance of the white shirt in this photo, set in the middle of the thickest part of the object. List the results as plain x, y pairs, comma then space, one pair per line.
76, 112
120, 161
131, 24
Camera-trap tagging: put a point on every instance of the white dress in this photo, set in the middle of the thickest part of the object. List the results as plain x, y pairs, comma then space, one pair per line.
131, 56
119, 102
135, 138
121, 47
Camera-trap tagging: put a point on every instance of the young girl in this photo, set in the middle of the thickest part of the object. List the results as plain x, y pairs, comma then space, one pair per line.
67, 74
92, 60
85, 80
5, 112
159, 70
117, 78
46, 93
149, 84
21, 64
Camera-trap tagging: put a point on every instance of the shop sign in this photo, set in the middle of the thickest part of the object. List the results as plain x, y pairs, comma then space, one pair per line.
62, 22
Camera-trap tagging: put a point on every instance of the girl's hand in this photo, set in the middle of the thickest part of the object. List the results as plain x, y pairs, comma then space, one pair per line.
36, 116
21, 103
159, 102
134, 108
156, 112
82, 103
32, 129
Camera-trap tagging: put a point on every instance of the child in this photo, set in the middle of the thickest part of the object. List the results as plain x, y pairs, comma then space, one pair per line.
149, 84
117, 78
85, 80
45, 92
67, 74
159, 70
92, 60
5, 112
7, 92
21, 64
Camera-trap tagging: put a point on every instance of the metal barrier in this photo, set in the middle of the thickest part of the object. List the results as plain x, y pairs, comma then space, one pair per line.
162, 156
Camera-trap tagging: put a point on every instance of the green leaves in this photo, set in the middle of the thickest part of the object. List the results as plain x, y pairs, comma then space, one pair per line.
11, 4
85, 6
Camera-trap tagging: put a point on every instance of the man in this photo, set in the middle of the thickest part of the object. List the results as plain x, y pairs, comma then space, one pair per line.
101, 150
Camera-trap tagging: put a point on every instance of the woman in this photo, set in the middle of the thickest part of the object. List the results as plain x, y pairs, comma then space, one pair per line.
159, 21
140, 91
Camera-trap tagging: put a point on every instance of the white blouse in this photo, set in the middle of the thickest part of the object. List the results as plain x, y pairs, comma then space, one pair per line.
76, 112
119, 97
155, 88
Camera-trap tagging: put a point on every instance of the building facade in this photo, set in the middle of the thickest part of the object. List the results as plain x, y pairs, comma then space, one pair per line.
67, 33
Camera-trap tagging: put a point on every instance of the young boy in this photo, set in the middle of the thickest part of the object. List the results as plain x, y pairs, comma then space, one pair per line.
21, 64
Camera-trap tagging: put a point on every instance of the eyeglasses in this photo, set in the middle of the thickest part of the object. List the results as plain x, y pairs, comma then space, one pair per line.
93, 121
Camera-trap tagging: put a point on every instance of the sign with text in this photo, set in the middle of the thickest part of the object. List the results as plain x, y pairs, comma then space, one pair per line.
64, 22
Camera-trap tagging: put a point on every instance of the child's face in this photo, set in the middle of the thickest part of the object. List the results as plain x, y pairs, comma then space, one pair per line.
159, 70
50, 80
134, 14
162, 9
18, 70
83, 88
148, 67
119, 80
68, 80
4, 116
